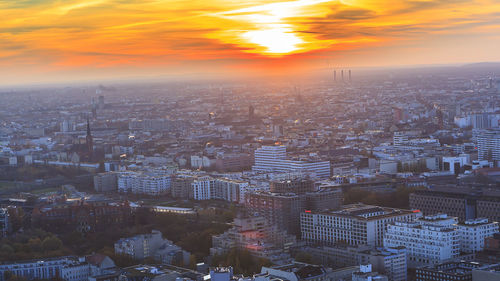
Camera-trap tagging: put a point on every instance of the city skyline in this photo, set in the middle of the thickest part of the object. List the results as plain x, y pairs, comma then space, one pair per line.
50, 41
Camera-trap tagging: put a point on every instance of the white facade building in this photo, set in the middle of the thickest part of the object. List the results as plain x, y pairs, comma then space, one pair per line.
274, 159
355, 224
488, 144
203, 188
473, 232
429, 241
141, 183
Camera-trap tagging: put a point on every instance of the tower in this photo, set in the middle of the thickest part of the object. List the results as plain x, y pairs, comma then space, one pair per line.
342, 74
349, 75
251, 112
335, 76
89, 139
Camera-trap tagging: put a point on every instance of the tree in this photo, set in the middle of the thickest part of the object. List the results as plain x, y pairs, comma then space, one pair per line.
51, 243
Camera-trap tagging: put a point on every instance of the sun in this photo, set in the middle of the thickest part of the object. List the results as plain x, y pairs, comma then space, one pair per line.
265, 29
277, 41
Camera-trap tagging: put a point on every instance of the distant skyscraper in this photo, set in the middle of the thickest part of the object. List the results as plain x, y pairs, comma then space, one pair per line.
100, 104
349, 75
342, 74
335, 75
251, 112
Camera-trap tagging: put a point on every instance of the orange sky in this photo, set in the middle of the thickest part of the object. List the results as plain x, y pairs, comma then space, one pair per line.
57, 40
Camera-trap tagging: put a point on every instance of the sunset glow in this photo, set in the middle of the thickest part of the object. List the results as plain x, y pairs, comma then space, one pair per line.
76, 39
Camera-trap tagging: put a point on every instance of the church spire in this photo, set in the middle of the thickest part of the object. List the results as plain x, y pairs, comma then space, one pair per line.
89, 139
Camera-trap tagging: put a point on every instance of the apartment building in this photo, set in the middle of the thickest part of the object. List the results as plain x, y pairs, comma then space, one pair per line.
474, 232
354, 224
429, 240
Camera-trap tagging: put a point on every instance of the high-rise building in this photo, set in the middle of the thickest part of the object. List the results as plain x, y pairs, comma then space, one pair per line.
354, 224
488, 145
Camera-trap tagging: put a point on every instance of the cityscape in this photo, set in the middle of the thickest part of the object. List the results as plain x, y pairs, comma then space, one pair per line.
269, 169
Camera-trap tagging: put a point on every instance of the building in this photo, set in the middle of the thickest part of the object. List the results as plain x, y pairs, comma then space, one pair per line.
473, 233
388, 261
154, 246
296, 272
399, 139
256, 235
81, 215
231, 190
181, 187
429, 240
159, 272
143, 183
462, 203
233, 162
4, 222
203, 188
487, 273
459, 271
284, 209
68, 268
106, 182
488, 145
297, 186
354, 224
365, 273
274, 159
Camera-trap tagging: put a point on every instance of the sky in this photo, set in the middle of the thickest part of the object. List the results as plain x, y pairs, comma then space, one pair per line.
66, 40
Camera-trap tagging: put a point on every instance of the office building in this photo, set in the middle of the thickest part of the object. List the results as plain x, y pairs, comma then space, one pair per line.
284, 209
429, 240
458, 202
274, 159
354, 224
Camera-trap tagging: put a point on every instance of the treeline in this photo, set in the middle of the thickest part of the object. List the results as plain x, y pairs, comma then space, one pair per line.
32, 244
192, 233
242, 262
399, 198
